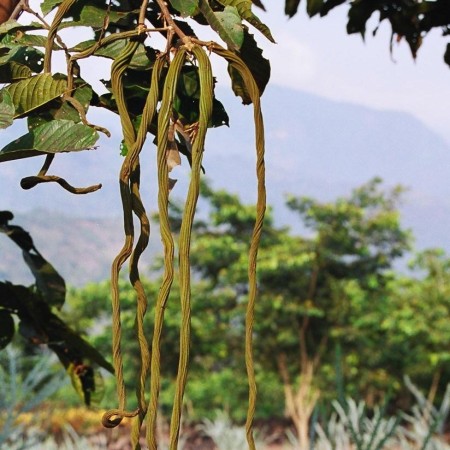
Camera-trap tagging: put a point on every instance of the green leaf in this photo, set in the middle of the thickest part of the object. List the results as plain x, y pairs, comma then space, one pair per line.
52, 137
6, 109
34, 92
27, 56
7, 328
88, 15
87, 382
185, 7
12, 72
48, 281
48, 5
314, 7
142, 59
259, 66
447, 55
186, 102
358, 15
62, 109
219, 116
22, 39
244, 8
189, 82
230, 25
291, 7
13, 25
227, 24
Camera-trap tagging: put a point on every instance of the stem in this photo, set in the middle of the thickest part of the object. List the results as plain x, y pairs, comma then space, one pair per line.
168, 18
21, 6
25, 7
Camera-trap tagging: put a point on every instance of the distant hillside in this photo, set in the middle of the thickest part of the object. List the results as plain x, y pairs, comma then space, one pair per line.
315, 147
81, 250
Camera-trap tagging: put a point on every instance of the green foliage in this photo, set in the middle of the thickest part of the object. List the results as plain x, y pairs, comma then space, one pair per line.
340, 278
227, 24
46, 98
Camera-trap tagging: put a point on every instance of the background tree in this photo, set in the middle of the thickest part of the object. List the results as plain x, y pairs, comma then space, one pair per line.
358, 334
300, 311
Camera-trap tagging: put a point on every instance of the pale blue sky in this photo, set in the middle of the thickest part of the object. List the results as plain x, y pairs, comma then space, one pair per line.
316, 55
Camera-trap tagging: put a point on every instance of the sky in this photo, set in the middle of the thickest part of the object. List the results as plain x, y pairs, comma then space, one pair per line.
316, 55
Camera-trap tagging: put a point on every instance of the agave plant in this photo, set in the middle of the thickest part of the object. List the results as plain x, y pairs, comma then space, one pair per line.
349, 427
19, 395
224, 433
424, 426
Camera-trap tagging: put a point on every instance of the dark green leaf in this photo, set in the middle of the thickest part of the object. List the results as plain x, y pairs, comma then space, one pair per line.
52, 137
7, 328
259, 4
18, 235
358, 16
329, 5
88, 383
27, 56
447, 55
259, 66
189, 82
219, 116
12, 72
186, 102
5, 217
185, 7
6, 109
48, 281
31, 40
291, 7
314, 7
142, 59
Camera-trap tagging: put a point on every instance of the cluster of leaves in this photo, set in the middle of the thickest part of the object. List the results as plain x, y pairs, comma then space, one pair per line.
409, 19
54, 124
55, 108
36, 309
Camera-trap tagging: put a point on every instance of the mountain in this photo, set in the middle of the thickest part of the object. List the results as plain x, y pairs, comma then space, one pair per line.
315, 147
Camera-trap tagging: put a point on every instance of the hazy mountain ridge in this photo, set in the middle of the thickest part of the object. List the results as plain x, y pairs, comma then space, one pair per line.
315, 147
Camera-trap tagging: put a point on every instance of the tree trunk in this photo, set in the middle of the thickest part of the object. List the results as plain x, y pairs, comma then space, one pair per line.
300, 403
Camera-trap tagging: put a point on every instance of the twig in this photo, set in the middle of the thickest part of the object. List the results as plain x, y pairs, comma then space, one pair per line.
21, 6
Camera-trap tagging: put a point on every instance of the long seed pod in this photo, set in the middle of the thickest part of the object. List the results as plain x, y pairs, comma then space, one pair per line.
139, 210
164, 117
252, 88
206, 105
62, 11
117, 69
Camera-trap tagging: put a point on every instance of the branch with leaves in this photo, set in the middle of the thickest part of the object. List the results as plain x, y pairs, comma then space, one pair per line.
168, 92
